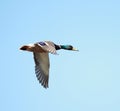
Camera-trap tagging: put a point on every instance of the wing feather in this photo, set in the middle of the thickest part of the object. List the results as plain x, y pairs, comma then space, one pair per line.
48, 46
42, 68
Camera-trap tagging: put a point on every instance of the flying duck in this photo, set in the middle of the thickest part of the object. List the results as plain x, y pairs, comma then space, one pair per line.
41, 52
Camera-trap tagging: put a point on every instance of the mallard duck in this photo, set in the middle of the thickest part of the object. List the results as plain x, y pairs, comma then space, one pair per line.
41, 52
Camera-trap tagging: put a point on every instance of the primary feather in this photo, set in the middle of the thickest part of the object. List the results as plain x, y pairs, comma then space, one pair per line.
42, 67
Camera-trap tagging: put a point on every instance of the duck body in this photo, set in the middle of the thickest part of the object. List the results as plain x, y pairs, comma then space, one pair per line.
41, 52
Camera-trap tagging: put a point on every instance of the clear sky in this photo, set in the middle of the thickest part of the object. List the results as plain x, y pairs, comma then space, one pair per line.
88, 80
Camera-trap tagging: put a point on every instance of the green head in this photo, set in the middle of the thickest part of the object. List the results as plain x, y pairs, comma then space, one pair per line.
68, 47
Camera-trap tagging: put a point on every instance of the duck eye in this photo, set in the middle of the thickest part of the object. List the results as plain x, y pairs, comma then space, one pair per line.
71, 47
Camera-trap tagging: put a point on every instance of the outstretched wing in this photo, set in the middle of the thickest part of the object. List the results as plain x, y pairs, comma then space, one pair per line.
48, 46
42, 68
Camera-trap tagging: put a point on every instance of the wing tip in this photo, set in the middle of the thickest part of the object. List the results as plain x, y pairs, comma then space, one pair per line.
43, 79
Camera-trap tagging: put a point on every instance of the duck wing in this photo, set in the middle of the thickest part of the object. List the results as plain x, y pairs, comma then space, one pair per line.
47, 46
42, 68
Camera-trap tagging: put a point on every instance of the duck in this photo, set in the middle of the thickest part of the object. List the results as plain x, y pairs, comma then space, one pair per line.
41, 52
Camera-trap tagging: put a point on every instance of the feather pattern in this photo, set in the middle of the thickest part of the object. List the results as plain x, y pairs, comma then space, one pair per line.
48, 46
42, 61
42, 67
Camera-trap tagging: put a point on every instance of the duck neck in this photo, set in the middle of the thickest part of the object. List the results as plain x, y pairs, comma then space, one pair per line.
57, 47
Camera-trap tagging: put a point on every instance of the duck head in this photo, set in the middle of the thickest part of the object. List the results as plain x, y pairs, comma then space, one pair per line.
68, 47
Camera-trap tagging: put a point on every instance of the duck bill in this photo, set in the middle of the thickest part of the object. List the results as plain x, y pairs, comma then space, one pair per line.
74, 49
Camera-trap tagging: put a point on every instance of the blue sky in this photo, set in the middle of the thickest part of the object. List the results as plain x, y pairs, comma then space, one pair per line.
87, 80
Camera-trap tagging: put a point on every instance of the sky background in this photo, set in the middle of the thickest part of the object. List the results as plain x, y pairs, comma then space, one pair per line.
88, 80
